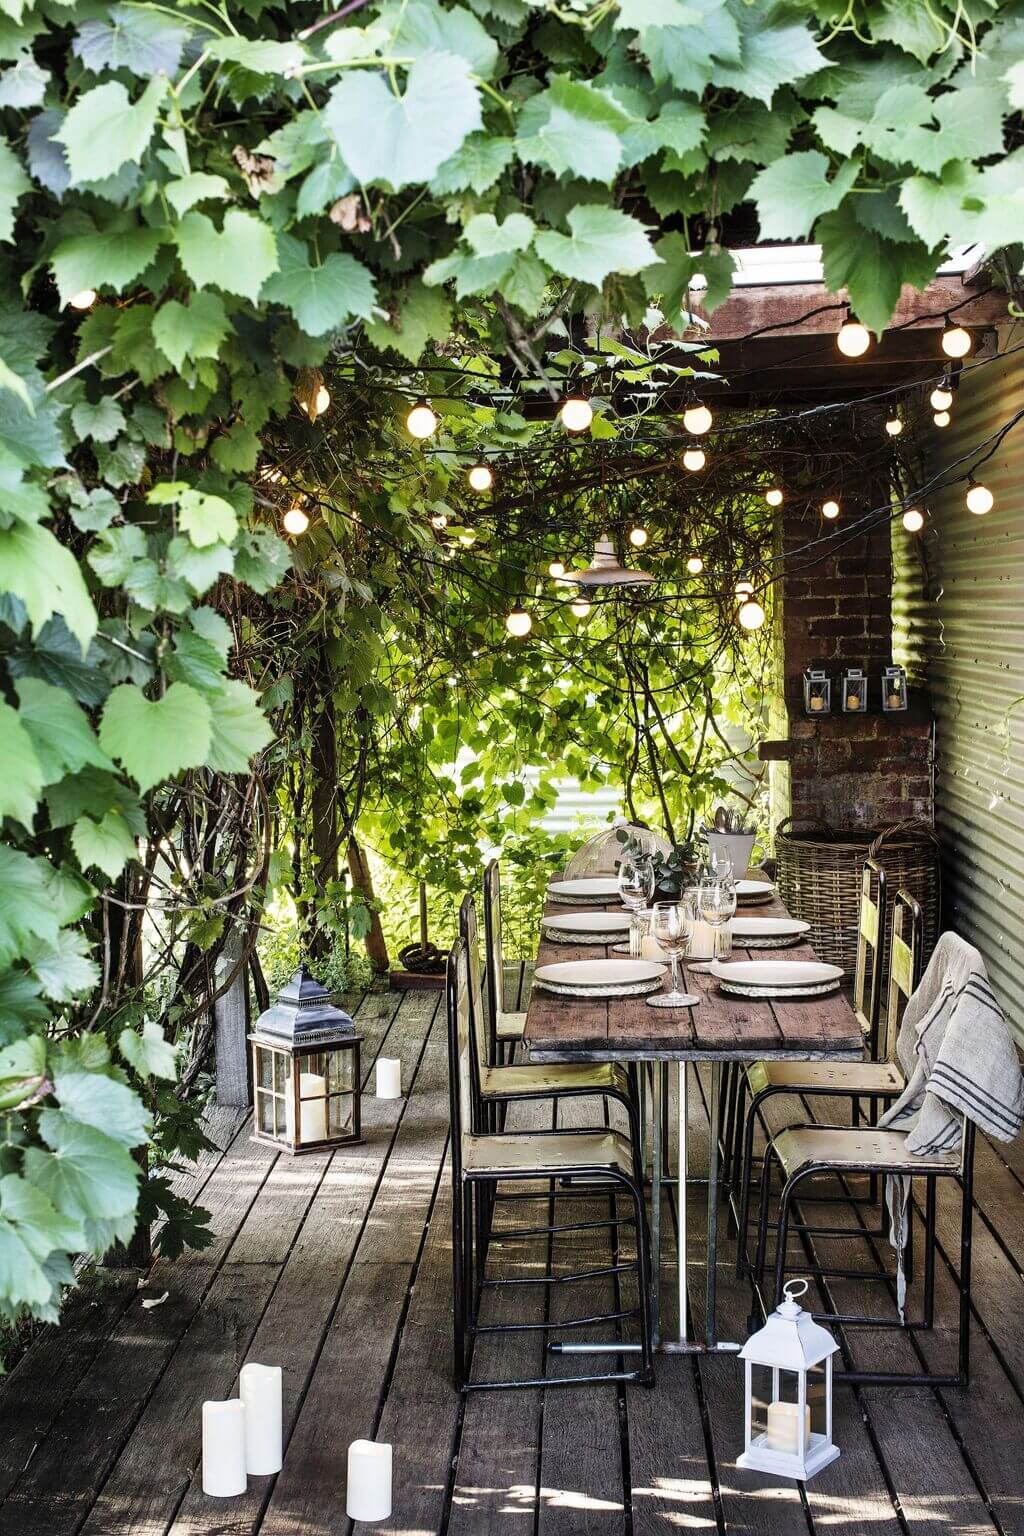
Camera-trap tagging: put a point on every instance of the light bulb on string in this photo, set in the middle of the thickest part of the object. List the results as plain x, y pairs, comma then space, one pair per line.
695, 565
295, 521
580, 606
85, 298
913, 520
942, 418
439, 521
941, 397
518, 622
421, 420
480, 478
830, 510
894, 426
576, 413
956, 342
744, 588
853, 338
638, 537
694, 459
697, 418
979, 498
773, 496
467, 539
556, 569
322, 399
751, 614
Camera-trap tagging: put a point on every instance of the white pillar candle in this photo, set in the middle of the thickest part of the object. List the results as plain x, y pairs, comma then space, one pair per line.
650, 949
783, 1419
259, 1387
368, 1494
389, 1077
702, 940
224, 1449
313, 1110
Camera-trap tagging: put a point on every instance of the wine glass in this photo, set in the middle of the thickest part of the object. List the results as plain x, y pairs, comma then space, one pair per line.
636, 887
717, 905
671, 924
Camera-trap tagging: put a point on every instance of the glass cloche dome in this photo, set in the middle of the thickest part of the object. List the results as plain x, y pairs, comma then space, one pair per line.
601, 853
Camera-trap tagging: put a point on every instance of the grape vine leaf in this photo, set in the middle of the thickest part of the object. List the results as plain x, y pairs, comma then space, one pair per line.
105, 1104
194, 330
794, 190
238, 258
21, 782
130, 37
61, 733
47, 578
13, 184
156, 739
601, 240
106, 844
109, 258
239, 728
105, 129
149, 1052
321, 298
65, 969
26, 910
86, 1173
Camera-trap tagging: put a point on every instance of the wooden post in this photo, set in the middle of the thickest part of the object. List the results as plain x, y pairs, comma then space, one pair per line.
362, 881
231, 1016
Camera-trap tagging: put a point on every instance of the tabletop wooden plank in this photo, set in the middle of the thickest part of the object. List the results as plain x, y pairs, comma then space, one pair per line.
731, 1028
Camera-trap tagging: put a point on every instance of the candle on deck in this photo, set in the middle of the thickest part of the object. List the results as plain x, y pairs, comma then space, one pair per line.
313, 1109
368, 1491
224, 1449
389, 1077
783, 1424
259, 1387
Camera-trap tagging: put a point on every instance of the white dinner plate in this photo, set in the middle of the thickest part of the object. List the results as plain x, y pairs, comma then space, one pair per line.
599, 973
591, 889
767, 932
618, 989
753, 893
763, 974
586, 927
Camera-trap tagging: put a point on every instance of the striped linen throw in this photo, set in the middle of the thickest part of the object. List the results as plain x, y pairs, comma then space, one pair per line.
959, 1059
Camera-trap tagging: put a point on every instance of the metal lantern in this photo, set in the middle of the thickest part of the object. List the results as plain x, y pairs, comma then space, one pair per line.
817, 692
305, 1069
788, 1393
894, 689
855, 692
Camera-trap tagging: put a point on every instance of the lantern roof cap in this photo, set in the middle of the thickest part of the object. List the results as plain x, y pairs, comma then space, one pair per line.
303, 1012
790, 1338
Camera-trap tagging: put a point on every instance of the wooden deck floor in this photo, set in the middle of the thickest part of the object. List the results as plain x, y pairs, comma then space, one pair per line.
338, 1269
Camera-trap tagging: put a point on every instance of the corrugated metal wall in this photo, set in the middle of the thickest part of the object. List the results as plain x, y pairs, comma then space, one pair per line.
972, 628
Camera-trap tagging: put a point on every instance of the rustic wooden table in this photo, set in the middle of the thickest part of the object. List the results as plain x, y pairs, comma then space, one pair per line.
720, 1029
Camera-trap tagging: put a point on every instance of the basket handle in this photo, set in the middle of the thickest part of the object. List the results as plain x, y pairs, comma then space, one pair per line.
902, 829
813, 823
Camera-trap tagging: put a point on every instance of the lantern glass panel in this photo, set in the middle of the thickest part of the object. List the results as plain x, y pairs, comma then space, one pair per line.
894, 689
265, 1112
341, 1072
340, 1120
855, 693
817, 694
817, 1401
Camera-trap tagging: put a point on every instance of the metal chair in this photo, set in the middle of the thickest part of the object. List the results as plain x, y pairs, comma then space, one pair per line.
505, 1028
876, 1081
481, 1162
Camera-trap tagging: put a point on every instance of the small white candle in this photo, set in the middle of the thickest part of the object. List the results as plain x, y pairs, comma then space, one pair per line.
259, 1387
313, 1110
783, 1419
389, 1077
224, 1449
650, 949
368, 1493
702, 940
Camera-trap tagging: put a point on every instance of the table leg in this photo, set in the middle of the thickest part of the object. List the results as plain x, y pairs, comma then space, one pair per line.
682, 1155
656, 1176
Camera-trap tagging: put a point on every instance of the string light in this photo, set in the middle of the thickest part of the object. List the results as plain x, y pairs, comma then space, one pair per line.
421, 420
694, 459
913, 520
439, 521
518, 622
295, 521
751, 614
773, 497
480, 478
697, 418
854, 338
956, 342
84, 299
942, 418
979, 498
467, 538
322, 399
894, 426
695, 565
638, 537
830, 510
556, 569
941, 397
576, 414
580, 606
744, 588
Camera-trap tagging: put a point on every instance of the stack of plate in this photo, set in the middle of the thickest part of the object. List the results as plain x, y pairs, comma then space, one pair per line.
593, 891
767, 932
753, 893
597, 979
586, 927
776, 978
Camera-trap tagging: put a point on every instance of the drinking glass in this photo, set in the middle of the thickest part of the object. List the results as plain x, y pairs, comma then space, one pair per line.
717, 906
719, 864
671, 923
636, 887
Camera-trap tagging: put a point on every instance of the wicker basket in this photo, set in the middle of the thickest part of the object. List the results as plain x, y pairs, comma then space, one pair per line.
819, 879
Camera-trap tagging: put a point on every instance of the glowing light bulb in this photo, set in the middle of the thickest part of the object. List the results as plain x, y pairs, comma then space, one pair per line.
694, 459
695, 565
295, 521
480, 478
556, 569
744, 588
421, 420
913, 520
853, 339
894, 426
830, 509
580, 606
979, 499
697, 419
773, 497
439, 521
956, 342
468, 538
752, 614
638, 537
84, 299
941, 397
576, 414
942, 418
518, 622
322, 399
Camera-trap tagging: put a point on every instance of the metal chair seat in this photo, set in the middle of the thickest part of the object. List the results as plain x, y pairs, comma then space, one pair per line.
852, 1148
543, 1155
510, 1026
540, 1081
843, 1077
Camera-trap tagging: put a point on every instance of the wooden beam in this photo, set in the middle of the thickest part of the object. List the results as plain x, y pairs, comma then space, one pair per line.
786, 309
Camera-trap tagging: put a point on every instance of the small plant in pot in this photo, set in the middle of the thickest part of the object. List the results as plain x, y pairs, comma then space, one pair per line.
672, 872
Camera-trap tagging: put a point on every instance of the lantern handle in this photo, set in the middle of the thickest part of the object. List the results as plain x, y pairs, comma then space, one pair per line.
794, 1288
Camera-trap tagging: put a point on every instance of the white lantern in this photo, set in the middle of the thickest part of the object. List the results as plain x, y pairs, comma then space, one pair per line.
788, 1393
